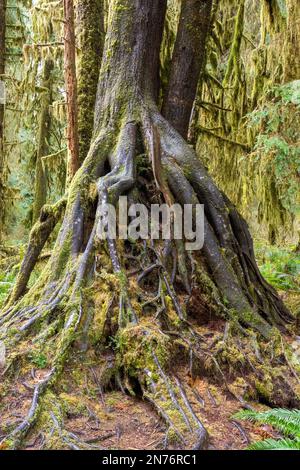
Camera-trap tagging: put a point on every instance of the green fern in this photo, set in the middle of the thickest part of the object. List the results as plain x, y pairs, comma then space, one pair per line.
286, 421
276, 444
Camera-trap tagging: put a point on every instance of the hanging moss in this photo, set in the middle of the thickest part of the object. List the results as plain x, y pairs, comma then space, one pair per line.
234, 56
251, 53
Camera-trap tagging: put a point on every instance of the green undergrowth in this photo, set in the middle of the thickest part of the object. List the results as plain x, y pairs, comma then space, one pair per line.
8, 279
9, 271
6, 283
276, 147
279, 266
287, 422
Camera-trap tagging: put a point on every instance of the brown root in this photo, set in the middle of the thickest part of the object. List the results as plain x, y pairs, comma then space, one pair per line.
56, 304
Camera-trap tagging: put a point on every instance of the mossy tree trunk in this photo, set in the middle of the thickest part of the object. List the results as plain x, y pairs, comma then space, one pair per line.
127, 124
40, 194
71, 89
2, 72
187, 63
89, 40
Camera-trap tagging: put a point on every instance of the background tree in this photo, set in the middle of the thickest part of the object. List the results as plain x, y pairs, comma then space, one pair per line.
187, 63
242, 69
40, 197
71, 88
2, 72
41, 94
89, 36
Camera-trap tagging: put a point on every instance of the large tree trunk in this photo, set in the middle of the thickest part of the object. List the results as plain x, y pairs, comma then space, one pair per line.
90, 38
127, 124
187, 63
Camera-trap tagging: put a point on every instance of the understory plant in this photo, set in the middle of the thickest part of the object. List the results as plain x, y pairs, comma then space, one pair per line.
280, 266
285, 421
276, 157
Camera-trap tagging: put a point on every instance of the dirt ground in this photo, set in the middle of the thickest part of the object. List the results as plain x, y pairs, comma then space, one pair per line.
115, 420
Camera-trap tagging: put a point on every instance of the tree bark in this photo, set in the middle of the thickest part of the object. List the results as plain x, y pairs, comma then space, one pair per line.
89, 26
71, 89
126, 100
292, 44
187, 62
2, 72
40, 195
128, 124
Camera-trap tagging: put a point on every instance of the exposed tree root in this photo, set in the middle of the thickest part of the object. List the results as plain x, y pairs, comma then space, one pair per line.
137, 321
38, 237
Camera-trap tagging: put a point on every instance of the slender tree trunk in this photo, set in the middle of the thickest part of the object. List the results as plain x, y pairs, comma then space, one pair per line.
2, 72
89, 25
292, 44
187, 62
71, 89
40, 195
2, 66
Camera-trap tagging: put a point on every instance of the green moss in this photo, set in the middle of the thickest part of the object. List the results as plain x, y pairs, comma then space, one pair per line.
136, 344
173, 436
79, 377
90, 41
264, 388
39, 359
234, 57
229, 353
72, 404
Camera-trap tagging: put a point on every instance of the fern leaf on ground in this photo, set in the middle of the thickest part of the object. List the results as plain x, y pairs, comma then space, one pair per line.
273, 444
286, 421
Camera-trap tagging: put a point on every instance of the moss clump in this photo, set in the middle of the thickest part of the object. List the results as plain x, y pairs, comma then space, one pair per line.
172, 315
72, 404
173, 436
136, 345
264, 388
228, 353
96, 332
242, 388
39, 359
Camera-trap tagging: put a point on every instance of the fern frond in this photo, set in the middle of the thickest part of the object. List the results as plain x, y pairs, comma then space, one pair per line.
286, 421
273, 444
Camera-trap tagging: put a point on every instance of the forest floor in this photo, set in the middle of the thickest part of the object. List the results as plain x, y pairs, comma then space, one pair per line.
107, 417
113, 419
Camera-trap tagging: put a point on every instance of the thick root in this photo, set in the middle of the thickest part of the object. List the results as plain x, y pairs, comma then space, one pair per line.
228, 248
225, 272
49, 217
